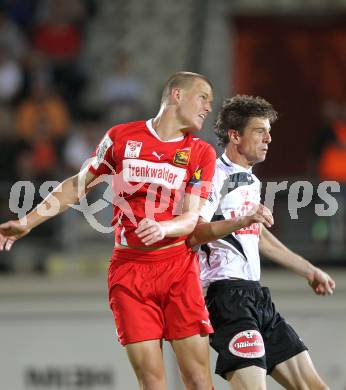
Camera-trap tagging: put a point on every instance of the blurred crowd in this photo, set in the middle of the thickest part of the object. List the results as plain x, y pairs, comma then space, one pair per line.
46, 128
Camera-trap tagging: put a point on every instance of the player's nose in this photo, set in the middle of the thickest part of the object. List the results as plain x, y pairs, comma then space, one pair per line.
267, 137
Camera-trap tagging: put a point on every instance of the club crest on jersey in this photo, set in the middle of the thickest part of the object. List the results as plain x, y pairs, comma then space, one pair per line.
247, 344
182, 156
133, 149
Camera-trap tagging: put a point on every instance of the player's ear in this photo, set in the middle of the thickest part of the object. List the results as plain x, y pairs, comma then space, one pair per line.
234, 136
176, 94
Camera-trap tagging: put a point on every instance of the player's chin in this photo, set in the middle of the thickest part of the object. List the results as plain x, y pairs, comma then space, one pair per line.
201, 124
198, 124
261, 157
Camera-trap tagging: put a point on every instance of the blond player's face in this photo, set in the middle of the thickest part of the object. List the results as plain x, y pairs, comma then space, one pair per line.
254, 142
195, 105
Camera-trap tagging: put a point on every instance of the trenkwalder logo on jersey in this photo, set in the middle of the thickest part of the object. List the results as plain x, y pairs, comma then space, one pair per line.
247, 344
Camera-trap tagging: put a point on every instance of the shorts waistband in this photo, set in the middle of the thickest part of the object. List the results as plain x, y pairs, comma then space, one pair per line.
128, 254
224, 284
148, 248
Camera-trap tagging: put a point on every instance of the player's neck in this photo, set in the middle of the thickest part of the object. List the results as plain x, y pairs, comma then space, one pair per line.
238, 158
167, 126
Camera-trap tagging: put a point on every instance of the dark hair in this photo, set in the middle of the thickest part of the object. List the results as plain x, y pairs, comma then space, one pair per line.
236, 112
181, 79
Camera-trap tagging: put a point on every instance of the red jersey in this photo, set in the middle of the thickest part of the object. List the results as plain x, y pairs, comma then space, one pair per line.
151, 176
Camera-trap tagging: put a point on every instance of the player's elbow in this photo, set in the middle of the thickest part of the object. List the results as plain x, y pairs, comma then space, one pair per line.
191, 221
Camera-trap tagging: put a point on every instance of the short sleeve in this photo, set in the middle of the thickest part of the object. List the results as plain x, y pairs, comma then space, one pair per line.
202, 172
211, 204
102, 161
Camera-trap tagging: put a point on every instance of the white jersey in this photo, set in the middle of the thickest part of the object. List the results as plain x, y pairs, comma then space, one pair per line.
234, 192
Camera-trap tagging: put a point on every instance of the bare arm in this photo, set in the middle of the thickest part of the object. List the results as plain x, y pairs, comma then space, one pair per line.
276, 251
65, 194
150, 231
206, 232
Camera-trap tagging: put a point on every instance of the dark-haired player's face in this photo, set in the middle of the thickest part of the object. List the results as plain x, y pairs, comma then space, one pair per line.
253, 143
195, 104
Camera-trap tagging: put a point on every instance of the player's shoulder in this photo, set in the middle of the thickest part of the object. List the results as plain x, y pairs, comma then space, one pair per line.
198, 142
201, 145
224, 167
222, 172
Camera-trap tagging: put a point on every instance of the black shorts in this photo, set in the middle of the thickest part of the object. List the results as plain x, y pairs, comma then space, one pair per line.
248, 329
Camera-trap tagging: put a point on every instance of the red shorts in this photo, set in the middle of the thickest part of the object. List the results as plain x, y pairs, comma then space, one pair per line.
156, 300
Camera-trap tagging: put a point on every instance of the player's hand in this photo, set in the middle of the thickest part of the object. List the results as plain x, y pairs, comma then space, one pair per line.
150, 231
321, 282
10, 232
258, 214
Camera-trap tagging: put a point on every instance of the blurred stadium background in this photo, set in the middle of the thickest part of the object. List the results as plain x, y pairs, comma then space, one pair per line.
69, 69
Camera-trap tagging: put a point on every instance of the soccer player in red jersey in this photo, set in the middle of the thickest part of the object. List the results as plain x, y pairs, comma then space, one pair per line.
161, 174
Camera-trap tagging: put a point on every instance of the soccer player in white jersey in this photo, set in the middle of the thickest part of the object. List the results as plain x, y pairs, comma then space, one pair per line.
251, 338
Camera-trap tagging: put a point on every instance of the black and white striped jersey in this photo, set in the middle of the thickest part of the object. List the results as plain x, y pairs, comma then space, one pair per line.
235, 190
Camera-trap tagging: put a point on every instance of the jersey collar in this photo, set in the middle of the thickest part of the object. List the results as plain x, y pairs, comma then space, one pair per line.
149, 124
230, 163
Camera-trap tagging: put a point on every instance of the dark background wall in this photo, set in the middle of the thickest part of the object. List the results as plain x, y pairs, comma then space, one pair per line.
297, 63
